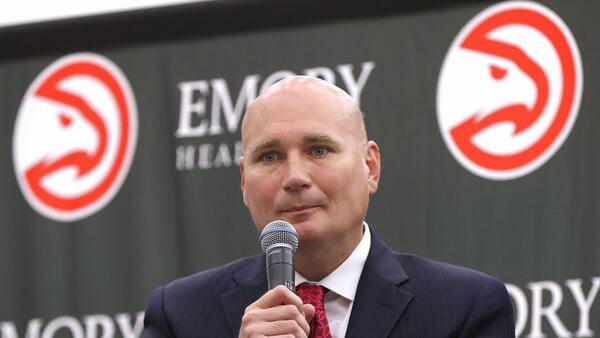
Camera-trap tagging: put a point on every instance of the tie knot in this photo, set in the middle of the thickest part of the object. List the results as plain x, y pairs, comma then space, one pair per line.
312, 294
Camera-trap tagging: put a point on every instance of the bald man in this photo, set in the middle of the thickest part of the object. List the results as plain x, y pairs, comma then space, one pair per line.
307, 160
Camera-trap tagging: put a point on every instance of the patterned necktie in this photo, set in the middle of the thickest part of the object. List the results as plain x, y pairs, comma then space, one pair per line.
315, 294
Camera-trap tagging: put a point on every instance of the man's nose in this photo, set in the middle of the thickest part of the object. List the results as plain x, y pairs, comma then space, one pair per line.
296, 176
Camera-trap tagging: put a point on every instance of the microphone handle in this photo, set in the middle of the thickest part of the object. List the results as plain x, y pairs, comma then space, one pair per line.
280, 267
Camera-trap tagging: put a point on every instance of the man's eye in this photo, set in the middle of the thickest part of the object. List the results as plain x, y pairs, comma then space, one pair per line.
269, 157
320, 151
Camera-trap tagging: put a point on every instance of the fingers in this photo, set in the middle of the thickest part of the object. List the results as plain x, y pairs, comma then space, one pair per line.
279, 312
278, 296
287, 328
309, 312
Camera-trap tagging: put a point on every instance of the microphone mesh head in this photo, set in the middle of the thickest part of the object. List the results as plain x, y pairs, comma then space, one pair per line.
279, 232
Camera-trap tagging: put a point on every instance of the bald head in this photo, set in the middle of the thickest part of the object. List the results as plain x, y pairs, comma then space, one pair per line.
303, 97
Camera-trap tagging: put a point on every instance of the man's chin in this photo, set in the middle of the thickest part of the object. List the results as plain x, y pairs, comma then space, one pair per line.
307, 225
307, 230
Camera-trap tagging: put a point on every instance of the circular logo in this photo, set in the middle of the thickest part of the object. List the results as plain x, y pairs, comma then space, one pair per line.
509, 90
74, 136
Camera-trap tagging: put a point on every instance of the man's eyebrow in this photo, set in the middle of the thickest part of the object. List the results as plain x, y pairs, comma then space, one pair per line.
310, 138
264, 145
319, 138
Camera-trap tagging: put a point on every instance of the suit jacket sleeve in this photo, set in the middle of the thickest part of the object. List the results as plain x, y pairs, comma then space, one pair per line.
156, 324
490, 314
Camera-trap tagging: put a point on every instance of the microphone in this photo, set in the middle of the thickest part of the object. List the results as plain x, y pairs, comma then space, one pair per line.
279, 241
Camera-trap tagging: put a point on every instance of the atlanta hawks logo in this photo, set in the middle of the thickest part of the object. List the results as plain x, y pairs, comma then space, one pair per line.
509, 90
74, 137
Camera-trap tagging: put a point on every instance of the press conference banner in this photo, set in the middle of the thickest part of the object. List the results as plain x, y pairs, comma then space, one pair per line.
120, 142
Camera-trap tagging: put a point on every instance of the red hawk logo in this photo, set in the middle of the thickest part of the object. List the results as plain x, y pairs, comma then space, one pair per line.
74, 136
509, 90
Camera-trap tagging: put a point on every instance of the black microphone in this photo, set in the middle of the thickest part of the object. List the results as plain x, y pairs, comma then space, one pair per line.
279, 241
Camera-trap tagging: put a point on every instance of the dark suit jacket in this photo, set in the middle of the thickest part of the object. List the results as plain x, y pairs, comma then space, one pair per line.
398, 295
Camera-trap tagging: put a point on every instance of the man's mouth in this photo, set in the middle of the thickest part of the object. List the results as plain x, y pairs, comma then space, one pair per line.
300, 209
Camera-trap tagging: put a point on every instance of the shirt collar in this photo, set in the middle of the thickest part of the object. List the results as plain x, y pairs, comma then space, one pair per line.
344, 279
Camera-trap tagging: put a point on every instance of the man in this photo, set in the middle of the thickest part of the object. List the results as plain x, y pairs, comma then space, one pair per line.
307, 160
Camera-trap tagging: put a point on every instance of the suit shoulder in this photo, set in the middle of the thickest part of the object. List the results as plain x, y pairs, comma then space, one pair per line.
461, 301
192, 304
429, 271
456, 292
212, 279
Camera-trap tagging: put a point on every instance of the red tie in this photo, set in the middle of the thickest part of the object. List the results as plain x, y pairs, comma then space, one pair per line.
315, 294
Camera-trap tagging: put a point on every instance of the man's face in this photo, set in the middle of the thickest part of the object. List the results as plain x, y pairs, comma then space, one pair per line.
307, 161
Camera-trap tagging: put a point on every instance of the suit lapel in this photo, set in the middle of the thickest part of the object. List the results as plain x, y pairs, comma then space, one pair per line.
379, 301
251, 283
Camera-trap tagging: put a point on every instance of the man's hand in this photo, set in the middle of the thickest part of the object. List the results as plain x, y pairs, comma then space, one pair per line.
279, 312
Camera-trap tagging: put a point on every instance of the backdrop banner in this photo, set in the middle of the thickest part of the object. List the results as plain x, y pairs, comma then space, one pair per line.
120, 144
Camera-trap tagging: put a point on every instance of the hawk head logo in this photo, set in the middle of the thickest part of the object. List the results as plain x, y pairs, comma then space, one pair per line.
509, 90
74, 136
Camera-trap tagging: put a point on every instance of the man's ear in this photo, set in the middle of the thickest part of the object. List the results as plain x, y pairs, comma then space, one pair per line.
373, 163
243, 182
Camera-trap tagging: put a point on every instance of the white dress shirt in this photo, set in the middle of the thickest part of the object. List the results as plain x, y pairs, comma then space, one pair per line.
342, 283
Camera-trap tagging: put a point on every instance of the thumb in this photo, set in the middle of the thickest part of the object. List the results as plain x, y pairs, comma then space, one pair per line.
309, 312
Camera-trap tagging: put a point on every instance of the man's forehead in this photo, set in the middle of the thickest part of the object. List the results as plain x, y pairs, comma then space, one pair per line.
298, 100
